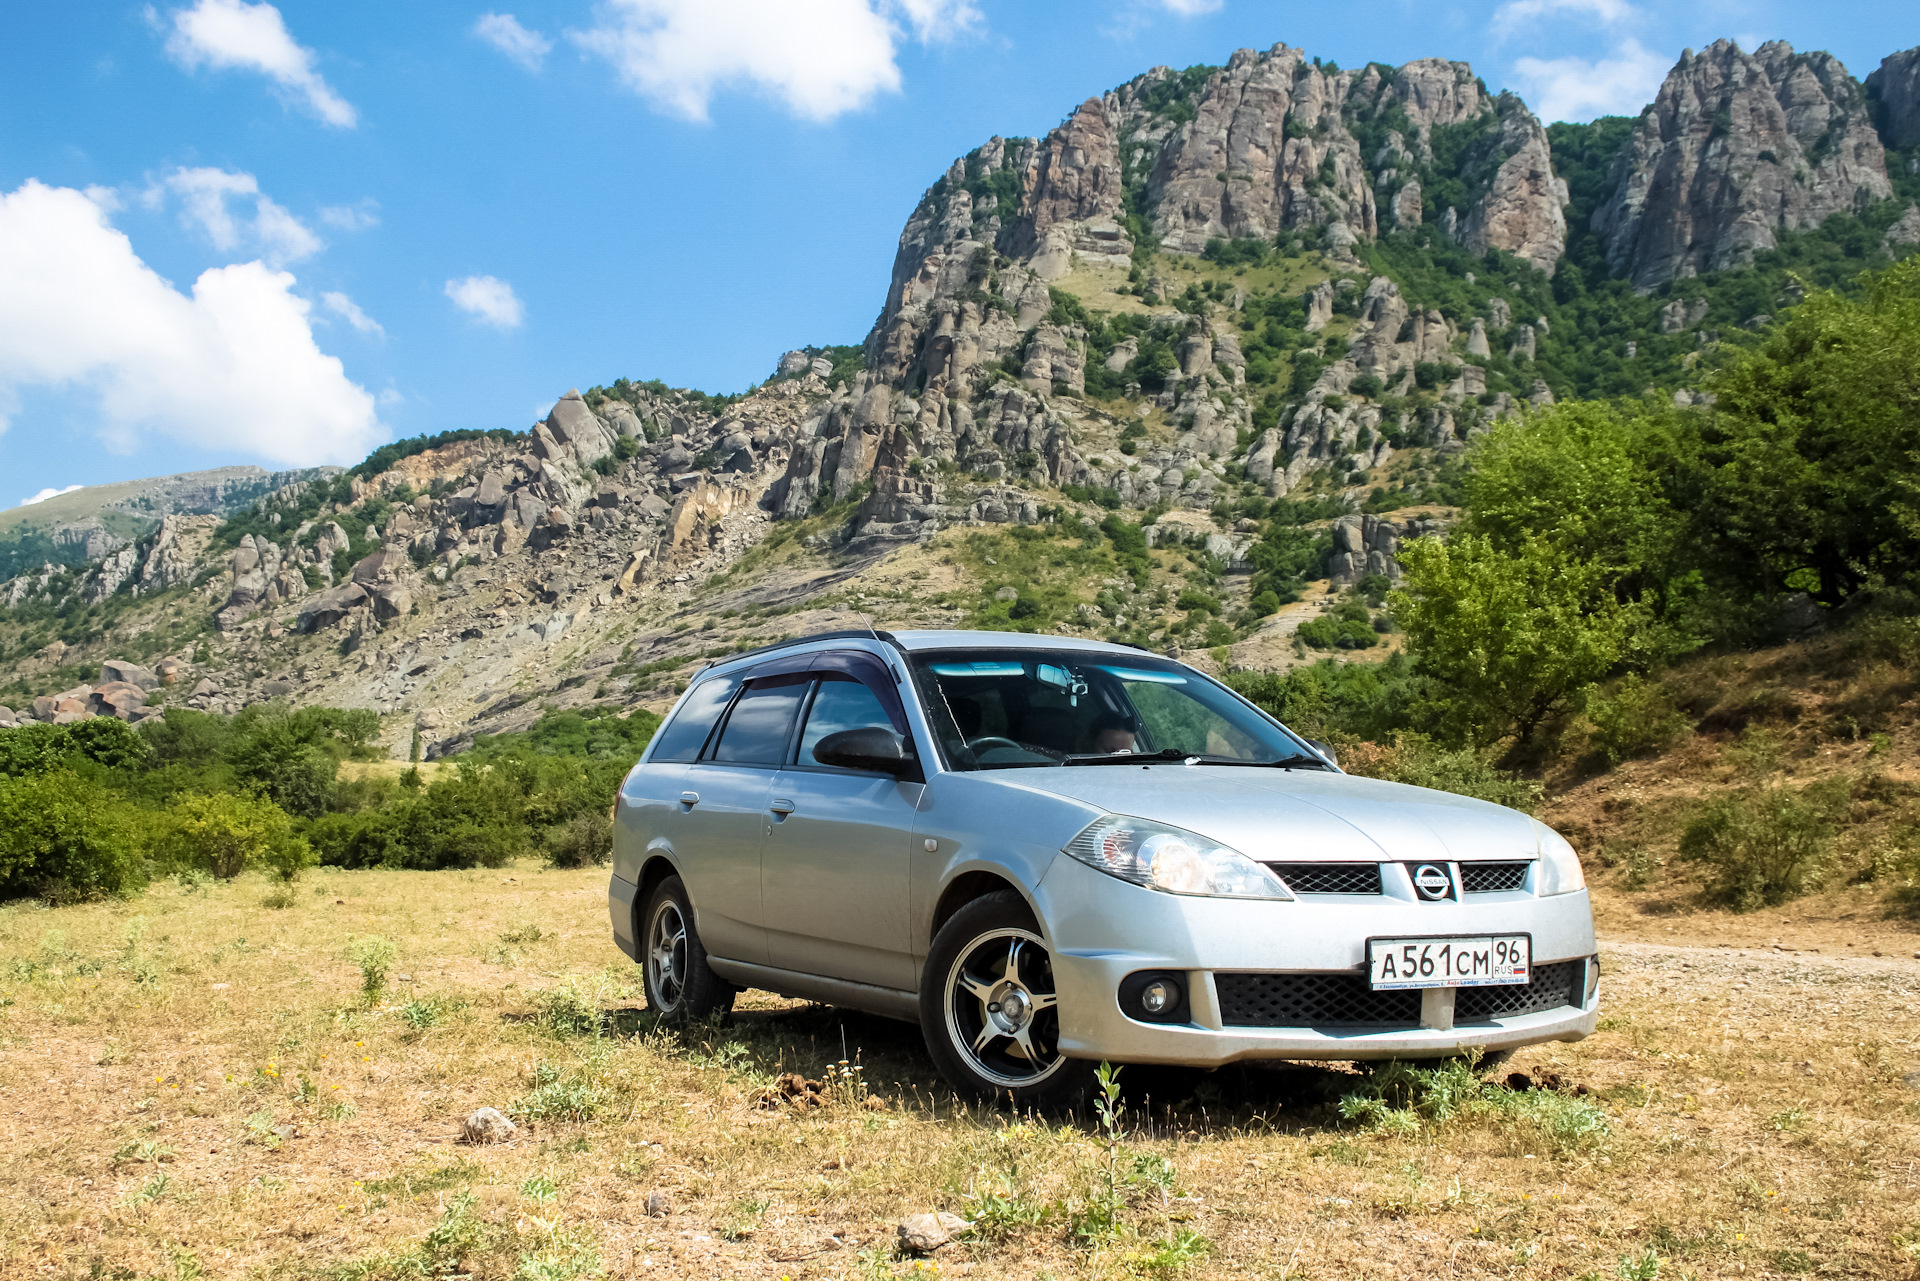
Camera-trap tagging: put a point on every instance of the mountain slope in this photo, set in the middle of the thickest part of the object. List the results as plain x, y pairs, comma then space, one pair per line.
1223, 332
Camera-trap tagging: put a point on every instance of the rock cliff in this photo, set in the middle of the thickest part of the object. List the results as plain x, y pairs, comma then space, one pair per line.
1735, 148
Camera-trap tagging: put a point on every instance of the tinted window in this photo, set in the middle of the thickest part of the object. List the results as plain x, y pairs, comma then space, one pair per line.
762, 718
840, 704
683, 736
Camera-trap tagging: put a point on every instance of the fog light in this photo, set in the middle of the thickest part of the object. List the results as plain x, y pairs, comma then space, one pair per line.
1158, 997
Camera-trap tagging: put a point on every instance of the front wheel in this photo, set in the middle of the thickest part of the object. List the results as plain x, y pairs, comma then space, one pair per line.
990, 1011
673, 965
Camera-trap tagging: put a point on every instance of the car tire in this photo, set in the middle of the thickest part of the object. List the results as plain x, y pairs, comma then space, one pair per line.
989, 1009
680, 986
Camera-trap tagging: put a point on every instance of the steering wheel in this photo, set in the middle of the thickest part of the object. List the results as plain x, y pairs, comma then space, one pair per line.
988, 742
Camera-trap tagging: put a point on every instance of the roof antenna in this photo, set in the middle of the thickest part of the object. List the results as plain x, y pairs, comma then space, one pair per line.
869, 625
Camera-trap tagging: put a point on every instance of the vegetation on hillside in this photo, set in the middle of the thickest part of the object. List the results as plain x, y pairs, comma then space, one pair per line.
99, 807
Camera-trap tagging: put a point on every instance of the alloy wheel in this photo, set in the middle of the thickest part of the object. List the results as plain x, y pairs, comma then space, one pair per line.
667, 955
1002, 1010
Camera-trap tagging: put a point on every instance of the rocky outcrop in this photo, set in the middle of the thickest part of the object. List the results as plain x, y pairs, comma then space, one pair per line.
1071, 196
1521, 209
1366, 544
1895, 92
1735, 148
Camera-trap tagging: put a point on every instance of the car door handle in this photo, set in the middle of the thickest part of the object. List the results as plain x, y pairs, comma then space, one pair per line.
780, 806
689, 798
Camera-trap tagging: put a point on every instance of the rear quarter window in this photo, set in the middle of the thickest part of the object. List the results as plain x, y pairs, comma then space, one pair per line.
681, 738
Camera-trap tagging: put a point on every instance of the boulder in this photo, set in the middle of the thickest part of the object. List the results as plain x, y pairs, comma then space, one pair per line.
392, 601
487, 1125
792, 363
323, 610
925, 1233
115, 669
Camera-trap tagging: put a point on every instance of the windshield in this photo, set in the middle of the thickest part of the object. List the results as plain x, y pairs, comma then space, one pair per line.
1014, 708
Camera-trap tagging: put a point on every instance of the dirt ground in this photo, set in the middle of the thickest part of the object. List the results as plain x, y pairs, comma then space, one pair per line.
194, 1084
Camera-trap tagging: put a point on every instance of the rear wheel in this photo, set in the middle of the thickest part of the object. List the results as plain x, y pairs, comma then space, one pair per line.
990, 1011
674, 971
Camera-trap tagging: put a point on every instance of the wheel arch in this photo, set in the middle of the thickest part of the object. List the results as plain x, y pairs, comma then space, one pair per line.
657, 868
976, 883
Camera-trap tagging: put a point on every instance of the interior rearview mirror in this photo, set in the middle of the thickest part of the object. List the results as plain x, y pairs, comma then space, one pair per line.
869, 748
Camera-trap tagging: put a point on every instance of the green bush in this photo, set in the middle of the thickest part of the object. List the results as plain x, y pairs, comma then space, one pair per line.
1761, 846
226, 834
585, 840
102, 740
1634, 719
1418, 761
65, 837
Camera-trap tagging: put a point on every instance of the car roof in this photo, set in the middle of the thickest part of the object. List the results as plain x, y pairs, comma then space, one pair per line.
879, 642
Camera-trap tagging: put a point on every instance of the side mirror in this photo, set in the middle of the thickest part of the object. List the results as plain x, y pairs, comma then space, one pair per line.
1325, 749
869, 748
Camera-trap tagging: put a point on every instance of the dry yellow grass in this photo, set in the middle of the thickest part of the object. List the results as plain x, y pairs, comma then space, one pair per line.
1756, 1119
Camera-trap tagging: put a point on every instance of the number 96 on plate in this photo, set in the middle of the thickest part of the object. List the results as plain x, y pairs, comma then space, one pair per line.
1480, 960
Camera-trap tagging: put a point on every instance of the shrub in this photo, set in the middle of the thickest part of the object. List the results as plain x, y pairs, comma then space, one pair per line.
33, 749
586, 840
1418, 761
1634, 720
374, 956
572, 1009
63, 837
226, 834
1761, 846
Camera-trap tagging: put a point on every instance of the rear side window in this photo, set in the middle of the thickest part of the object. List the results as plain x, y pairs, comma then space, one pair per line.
682, 737
761, 722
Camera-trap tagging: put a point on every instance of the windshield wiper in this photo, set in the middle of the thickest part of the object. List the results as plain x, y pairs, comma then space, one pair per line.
1126, 758
1299, 760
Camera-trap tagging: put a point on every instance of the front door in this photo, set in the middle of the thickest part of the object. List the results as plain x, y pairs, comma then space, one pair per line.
834, 867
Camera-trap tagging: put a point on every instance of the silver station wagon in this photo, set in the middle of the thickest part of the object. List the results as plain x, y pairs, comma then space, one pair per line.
1049, 852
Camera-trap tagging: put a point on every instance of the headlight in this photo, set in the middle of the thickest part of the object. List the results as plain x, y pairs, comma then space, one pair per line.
1171, 859
1559, 866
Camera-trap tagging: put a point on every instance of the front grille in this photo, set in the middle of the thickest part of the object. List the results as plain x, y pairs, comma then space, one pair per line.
1312, 1000
1345, 1000
1552, 986
1485, 878
1329, 878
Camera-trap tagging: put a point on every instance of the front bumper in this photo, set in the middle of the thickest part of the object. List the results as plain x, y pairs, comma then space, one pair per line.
1104, 929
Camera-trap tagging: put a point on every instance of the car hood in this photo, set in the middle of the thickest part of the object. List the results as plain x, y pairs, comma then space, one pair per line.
1297, 815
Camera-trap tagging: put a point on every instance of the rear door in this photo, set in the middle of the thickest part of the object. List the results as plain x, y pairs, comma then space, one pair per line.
723, 804
834, 868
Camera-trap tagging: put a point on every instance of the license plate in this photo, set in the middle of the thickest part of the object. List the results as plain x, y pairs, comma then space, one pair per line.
1475, 960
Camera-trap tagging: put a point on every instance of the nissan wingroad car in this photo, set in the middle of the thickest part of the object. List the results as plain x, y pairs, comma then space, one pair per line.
1050, 852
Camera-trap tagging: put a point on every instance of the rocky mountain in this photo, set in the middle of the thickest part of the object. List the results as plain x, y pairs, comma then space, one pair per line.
1243, 319
1736, 148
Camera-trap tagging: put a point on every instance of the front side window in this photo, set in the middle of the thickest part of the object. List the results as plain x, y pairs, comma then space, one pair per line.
758, 727
840, 704
1002, 709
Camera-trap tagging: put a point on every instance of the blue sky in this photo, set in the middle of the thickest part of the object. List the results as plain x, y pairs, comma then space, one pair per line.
231, 232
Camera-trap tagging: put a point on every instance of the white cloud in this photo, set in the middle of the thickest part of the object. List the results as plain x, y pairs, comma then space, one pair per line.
504, 32
275, 234
47, 493
1515, 13
349, 310
352, 217
819, 59
488, 300
934, 21
252, 37
1190, 8
1577, 89
231, 367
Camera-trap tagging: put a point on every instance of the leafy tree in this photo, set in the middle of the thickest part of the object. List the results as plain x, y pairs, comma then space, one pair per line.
1814, 445
1510, 639
65, 837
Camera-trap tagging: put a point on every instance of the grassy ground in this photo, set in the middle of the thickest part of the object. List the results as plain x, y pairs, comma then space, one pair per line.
196, 1084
